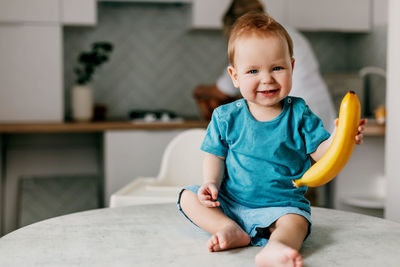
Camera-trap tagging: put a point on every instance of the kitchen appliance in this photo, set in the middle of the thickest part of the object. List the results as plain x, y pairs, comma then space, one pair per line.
154, 116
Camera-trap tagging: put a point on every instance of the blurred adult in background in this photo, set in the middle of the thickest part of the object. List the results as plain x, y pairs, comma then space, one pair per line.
307, 80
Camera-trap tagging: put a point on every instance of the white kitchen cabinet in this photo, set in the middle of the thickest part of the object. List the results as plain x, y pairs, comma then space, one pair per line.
330, 15
150, 1
31, 78
130, 154
79, 12
277, 9
29, 11
31, 61
208, 13
307, 15
31, 73
361, 180
67, 12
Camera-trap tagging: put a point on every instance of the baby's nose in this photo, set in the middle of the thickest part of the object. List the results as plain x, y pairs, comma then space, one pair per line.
266, 78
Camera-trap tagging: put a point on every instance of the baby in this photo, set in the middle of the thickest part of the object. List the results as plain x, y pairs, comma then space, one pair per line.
255, 146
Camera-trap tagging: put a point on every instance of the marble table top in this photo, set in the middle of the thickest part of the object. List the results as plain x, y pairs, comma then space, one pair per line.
158, 235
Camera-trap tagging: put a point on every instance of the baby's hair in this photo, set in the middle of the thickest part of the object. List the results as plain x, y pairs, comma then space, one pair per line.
260, 24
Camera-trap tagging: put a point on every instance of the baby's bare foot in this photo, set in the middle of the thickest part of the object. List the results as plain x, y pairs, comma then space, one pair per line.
276, 254
231, 236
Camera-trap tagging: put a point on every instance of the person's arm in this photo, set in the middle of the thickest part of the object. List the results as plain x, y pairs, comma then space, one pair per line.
209, 97
213, 171
323, 147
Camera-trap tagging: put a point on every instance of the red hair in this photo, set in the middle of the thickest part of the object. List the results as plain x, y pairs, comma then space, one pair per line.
256, 23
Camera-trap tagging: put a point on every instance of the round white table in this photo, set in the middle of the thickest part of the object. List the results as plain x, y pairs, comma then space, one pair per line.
158, 235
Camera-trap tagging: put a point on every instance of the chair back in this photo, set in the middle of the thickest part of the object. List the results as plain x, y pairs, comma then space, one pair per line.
182, 161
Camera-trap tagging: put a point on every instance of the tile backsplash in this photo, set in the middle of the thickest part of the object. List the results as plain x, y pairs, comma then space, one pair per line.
157, 60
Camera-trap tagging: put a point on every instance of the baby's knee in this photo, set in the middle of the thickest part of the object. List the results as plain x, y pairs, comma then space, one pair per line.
187, 194
293, 221
187, 197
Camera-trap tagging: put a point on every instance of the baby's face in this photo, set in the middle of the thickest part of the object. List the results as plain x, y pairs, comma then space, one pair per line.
263, 70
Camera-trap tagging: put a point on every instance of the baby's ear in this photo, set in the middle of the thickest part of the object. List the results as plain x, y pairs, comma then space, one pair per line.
233, 73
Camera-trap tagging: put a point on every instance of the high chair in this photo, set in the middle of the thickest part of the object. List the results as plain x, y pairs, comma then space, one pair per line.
181, 165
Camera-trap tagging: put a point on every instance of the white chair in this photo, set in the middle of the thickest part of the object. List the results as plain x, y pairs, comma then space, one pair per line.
181, 165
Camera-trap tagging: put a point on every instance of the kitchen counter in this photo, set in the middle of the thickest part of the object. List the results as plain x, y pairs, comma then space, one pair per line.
158, 235
371, 129
96, 126
374, 129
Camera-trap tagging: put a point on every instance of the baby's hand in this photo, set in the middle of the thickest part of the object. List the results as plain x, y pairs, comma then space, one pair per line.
361, 128
207, 194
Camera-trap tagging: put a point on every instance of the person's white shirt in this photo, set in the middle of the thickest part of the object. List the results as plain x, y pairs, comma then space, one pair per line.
307, 81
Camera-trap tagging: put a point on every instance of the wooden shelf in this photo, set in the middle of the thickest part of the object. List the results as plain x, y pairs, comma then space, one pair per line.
96, 126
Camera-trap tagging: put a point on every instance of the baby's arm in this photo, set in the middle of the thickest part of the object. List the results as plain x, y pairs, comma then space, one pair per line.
213, 170
323, 147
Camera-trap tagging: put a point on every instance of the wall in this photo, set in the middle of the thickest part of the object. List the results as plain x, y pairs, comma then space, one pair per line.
392, 211
158, 60
2, 180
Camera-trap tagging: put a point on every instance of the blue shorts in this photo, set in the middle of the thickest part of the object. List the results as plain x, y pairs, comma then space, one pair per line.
254, 221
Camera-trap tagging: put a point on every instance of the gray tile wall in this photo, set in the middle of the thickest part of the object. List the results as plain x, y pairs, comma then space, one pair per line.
158, 60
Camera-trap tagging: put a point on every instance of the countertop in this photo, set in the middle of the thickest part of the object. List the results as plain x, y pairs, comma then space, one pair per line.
371, 129
96, 126
158, 235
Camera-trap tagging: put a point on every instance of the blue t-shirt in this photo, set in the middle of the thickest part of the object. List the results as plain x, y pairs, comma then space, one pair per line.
262, 158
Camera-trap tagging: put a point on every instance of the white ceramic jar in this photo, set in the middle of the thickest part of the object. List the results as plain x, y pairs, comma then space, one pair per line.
82, 103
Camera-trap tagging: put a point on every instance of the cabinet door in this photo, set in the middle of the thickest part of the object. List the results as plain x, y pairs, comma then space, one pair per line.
207, 14
309, 15
331, 15
277, 9
30, 73
29, 10
79, 12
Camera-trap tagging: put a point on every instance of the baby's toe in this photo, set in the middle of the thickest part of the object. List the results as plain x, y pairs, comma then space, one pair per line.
212, 242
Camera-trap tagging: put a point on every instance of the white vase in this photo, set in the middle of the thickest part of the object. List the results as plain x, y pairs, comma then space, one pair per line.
82, 103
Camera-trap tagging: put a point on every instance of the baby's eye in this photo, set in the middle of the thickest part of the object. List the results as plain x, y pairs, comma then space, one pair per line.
253, 71
277, 68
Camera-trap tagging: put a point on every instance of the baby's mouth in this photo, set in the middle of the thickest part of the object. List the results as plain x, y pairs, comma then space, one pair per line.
268, 92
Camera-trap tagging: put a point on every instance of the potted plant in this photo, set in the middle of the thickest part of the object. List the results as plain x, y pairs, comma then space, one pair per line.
82, 92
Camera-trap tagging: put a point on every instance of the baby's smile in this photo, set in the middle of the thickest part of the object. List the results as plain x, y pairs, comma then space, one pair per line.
268, 92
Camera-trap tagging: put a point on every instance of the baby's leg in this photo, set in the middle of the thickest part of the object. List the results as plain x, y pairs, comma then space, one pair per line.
287, 235
225, 232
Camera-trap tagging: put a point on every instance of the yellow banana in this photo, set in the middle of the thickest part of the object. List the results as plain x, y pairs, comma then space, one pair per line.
339, 152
